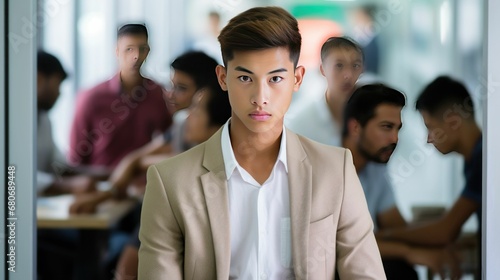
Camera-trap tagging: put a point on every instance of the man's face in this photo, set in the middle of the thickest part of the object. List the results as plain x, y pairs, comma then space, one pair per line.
439, 133
341, 69
379, 137
131, 51
260, 86
47, 90
182, 90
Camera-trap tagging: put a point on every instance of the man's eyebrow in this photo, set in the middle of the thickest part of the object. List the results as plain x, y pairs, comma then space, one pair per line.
391, 123
242, 69
278, 71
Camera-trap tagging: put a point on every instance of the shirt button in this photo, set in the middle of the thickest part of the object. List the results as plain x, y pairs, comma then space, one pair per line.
263, 276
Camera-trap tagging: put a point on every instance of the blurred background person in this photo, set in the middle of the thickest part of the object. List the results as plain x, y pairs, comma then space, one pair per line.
207, 41
367, 36
51, 164
321, 119
448, 113
128, 106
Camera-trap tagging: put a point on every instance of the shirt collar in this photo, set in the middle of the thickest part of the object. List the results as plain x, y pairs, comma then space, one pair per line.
230, 162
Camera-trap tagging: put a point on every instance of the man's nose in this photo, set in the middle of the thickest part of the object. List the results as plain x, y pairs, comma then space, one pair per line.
261, 96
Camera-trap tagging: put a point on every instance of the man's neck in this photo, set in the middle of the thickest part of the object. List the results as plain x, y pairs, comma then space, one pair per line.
130, 80
255, 152
336, 105
358, 160
468, 138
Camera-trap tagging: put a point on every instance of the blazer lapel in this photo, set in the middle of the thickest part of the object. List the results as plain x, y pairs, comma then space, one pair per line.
216, 197
300, 188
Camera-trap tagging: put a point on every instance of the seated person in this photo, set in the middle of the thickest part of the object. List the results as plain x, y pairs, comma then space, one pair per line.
51, 165
207, 114
192, 71
448, 113
121, 114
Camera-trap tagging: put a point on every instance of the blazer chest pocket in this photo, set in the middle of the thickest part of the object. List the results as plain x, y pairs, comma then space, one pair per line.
321, 249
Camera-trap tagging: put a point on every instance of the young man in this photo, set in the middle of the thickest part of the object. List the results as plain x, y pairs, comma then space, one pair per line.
257, 200
372, 120
122, 114
341, 65
51, 164
448, 113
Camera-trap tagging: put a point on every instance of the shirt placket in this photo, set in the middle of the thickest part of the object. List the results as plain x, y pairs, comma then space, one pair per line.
262, 240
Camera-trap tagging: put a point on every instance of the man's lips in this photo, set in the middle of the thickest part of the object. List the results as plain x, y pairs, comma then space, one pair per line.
260, 115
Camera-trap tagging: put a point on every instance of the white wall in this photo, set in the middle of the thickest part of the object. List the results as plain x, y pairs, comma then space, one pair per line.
491, 152
20, 149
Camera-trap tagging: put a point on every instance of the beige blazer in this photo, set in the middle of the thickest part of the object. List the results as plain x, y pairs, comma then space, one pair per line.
185, 231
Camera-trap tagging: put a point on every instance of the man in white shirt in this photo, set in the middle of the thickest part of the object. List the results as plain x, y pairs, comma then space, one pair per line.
321, 118
257, 201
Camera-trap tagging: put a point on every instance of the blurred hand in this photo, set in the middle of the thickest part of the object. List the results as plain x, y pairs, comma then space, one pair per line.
442, 261
80, 184
88, 203
122, 175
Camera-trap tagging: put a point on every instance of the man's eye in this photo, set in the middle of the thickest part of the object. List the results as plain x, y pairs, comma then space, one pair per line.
244, 79
276, 79
339, 65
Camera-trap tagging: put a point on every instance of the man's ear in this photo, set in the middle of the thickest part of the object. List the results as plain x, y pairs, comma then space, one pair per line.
299, 73
452, 120
354, 128
322, 70
221, 76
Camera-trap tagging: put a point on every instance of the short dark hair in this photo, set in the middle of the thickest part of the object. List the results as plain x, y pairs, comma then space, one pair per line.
369, 10
443, 93
214, 14
132, 29
364, 101
258, 29
218, 106
48, 65
199, 66
335, 43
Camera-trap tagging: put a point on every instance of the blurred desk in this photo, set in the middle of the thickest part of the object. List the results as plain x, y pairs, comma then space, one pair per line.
53, 213
466, 245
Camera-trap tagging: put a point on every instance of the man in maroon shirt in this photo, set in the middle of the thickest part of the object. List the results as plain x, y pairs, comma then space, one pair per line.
120, 114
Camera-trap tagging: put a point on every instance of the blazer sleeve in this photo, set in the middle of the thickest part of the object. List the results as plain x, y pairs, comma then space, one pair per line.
358, 256
161, 253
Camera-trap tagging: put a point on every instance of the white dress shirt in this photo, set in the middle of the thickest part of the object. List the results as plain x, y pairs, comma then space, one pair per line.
315, 121
259, 218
